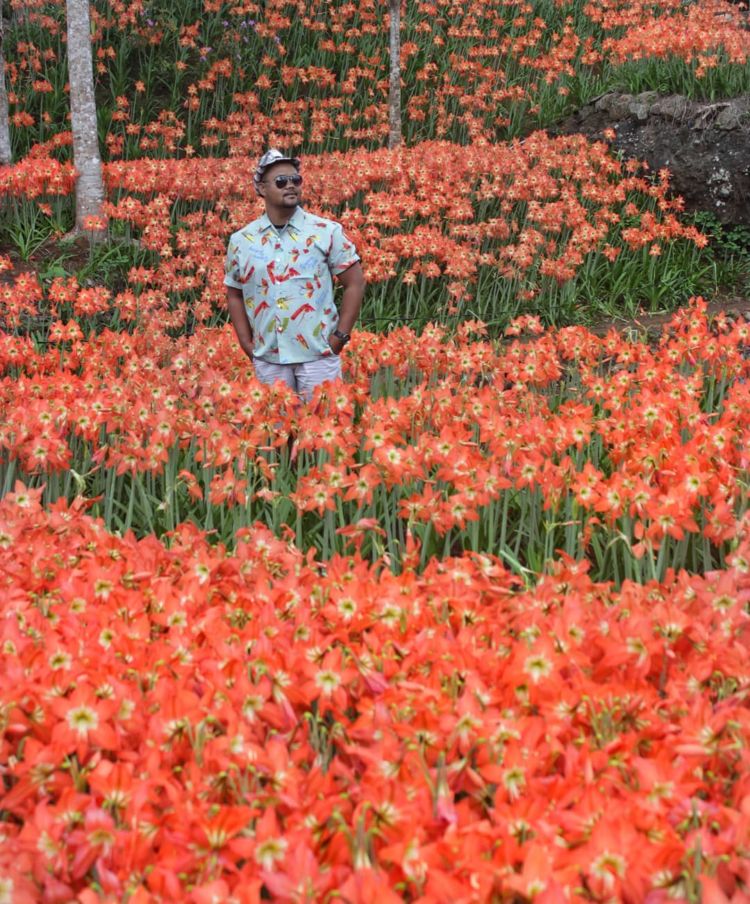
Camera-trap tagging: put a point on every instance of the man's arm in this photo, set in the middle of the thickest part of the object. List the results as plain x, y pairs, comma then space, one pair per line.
238, 316
353, 281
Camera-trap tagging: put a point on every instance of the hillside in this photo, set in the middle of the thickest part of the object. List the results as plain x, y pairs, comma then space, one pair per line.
468, 625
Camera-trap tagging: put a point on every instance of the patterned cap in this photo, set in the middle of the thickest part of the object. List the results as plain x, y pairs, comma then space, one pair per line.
268, 159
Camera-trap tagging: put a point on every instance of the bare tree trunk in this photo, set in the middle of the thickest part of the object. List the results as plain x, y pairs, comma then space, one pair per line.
394, 91
5, 151
89, 188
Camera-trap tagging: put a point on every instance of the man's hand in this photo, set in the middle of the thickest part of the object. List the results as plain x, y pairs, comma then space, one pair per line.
353, 282
238, 316
337, 345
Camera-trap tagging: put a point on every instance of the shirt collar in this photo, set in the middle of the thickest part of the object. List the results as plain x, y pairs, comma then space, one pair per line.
295, 220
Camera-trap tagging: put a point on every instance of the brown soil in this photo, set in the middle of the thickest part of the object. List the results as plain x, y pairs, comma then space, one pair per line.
72, 255
705, 146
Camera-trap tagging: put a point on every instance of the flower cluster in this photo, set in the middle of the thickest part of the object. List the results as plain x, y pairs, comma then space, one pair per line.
471, 626
187, 724
631, 456
304, 75
702, 34
37, 176
521, 218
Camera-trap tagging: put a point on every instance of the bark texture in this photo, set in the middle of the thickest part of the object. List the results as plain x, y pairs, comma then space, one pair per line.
394, 90
89, 187
5, 149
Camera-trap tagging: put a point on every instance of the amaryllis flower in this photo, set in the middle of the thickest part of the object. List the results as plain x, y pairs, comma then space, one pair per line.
84, 723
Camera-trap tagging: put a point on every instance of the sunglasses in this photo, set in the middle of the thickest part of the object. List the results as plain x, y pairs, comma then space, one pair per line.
281, 181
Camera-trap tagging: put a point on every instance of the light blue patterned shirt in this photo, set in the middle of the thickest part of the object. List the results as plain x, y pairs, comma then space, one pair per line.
285, 277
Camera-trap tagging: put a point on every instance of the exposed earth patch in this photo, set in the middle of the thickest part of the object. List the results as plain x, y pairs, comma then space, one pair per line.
704, 145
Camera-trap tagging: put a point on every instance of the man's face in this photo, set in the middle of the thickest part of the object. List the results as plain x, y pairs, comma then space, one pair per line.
277, 188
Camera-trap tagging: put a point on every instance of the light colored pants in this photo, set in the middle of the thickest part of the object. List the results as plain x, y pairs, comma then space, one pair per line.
302, 378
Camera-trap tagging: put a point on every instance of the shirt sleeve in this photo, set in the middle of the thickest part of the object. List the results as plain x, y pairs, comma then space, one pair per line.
341, 252
232, 265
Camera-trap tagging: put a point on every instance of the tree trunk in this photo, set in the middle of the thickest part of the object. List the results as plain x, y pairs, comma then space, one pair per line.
88, 164
394, 92
5, 151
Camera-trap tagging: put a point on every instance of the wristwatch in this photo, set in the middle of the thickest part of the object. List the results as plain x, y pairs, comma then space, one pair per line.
344, 337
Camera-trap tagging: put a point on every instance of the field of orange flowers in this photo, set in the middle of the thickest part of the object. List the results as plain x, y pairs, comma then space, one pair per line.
554, 226
470, 627
213, 78
485, 639
188, 98
202, 725
184, 723
629, 456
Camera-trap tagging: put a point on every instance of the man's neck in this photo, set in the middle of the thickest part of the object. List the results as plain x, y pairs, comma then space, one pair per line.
280, 218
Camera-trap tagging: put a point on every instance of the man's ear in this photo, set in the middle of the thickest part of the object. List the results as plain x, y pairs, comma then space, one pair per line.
259, 189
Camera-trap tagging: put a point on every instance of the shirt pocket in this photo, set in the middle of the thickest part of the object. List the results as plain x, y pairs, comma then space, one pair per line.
305, 286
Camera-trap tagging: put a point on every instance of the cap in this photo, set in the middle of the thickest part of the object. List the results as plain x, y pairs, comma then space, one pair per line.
269, 158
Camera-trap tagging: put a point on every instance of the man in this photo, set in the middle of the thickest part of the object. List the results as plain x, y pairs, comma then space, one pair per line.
279, 278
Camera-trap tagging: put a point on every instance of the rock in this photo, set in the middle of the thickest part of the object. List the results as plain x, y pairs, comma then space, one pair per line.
616, 105
705, 146
672, 107
720, 186
647, 97
728, 119
640, 111
708, 114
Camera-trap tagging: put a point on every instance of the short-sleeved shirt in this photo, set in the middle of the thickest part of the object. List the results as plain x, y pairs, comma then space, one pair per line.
285, 277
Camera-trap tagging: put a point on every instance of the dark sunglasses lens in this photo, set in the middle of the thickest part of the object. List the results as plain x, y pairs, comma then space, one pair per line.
281, 181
